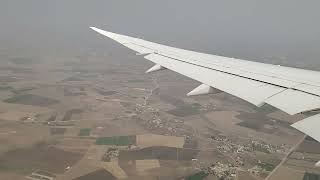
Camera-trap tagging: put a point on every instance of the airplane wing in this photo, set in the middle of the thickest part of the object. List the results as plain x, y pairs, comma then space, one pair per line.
291, 90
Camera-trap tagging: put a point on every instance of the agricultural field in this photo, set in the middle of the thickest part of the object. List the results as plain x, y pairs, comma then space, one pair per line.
116, 140
30, 99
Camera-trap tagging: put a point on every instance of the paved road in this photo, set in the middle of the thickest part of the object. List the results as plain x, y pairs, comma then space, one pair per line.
286, 157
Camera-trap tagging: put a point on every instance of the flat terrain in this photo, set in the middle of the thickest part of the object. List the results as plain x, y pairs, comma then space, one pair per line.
148, 140
90, 117
39, 156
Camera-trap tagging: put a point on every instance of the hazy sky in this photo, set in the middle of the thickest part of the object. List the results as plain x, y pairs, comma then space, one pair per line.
286, 31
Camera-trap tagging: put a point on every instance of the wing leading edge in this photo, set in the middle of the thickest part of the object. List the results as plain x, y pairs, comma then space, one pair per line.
291, 90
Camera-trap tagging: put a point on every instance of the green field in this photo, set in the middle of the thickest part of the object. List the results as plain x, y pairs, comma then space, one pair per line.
116, 140
31, 99
267, 166
311, 176
198, 176
186, 110
84, 132
6, 88
18, 91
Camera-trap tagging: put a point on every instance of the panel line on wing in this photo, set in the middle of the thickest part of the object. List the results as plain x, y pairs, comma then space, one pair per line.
239, 75
254, 92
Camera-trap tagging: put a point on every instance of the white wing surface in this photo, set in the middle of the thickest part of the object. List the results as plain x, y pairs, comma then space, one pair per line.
291, 90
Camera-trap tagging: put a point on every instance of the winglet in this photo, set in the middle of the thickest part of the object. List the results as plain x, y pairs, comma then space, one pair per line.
99, 30
93, 28
318, 164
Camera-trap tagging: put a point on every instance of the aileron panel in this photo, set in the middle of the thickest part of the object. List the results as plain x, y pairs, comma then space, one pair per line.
293, 101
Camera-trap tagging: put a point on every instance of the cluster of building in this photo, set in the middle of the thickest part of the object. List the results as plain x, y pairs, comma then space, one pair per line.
228, 146
111, 155
222, 171
208, 107
220, 138
267, 148
152, 120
